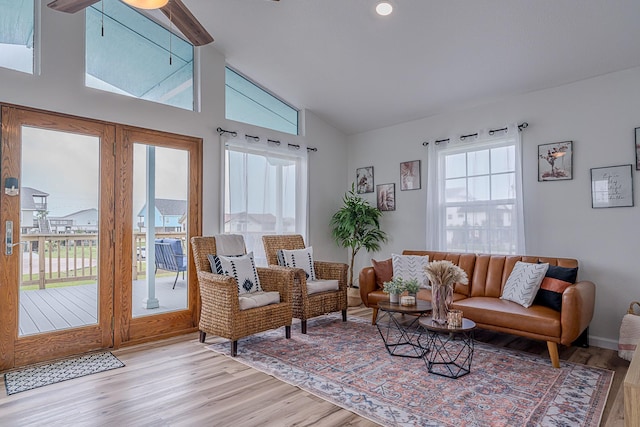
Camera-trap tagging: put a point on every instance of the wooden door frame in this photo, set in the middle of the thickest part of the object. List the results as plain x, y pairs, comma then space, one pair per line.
16, 350
117, 158
136, 330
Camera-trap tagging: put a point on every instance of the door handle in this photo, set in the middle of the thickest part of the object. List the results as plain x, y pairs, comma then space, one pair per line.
8, 230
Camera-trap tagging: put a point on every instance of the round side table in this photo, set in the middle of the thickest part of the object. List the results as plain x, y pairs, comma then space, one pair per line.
399, 329
450, 349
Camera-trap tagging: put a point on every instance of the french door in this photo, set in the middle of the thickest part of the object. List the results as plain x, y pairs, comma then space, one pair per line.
79, 202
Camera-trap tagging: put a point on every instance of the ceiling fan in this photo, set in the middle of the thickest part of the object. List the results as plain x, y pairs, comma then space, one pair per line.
175, 10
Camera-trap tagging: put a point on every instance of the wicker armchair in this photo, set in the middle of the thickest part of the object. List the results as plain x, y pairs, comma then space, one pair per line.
220, 312
307, 306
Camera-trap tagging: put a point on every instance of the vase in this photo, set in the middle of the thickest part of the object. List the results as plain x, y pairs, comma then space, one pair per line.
394, 298
441, 297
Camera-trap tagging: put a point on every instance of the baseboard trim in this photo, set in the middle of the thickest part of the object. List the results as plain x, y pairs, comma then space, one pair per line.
603, 342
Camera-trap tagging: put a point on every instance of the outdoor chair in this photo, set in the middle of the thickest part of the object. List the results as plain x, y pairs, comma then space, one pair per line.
221, 308
170, 257
309, 297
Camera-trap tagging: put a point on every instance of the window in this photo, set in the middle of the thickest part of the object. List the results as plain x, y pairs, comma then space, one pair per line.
475, 202
16, 35
246, 102
265, 192
137, 57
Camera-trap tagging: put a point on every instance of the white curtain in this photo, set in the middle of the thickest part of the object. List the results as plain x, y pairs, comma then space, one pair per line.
265, 189
474, 193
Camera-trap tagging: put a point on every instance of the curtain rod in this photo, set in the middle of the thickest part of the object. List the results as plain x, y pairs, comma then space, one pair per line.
521, 127
257, 139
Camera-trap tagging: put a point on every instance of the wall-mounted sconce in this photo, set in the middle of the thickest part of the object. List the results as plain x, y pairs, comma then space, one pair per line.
11, 187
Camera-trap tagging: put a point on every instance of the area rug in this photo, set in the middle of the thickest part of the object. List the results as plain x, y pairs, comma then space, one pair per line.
51, 373
346, 363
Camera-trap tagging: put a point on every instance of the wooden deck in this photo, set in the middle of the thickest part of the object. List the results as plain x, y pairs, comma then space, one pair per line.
52, 309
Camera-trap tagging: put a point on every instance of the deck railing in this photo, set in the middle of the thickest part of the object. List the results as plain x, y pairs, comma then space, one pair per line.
59, 258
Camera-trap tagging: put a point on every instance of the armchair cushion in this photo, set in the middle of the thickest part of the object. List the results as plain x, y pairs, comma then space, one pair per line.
299, 258
242, 268
316, 286
258, 299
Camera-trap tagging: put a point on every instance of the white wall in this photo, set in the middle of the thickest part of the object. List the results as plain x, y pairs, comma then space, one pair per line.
60, 88
599, 115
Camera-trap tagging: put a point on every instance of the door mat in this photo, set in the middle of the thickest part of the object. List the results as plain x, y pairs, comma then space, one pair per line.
346, 363
51, 373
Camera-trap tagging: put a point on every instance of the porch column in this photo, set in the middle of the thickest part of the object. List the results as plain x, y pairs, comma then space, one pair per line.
151, 301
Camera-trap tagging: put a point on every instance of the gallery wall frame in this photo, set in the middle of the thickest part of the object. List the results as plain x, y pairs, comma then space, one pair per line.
386, 197
612, 186
410, 175
555, 161
364, 180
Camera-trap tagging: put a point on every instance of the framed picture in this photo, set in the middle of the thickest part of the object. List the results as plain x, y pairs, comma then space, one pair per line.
638, 149
364, 180
410, 175
555, 161
386, 195
612, 186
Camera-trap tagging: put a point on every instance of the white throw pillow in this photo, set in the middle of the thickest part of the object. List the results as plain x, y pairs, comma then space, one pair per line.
242, 268
410, 267
299, 258
523, 282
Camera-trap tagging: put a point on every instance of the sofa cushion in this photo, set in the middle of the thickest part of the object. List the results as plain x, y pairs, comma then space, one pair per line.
508, 316
555, 281
298, 258
242, 268
410, 267
258, 299
523, 283
383, 270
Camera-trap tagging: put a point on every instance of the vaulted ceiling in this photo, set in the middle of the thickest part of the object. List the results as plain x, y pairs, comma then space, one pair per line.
360, 71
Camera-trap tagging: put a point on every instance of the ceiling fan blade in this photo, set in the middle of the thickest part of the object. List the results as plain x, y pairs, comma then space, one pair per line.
70, 6
184, 21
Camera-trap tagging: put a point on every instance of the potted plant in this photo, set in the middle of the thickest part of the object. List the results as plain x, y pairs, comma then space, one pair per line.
412, 286
394, 288
357, 225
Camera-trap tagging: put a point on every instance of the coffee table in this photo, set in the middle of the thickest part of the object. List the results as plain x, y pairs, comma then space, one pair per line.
399, 328
450, 349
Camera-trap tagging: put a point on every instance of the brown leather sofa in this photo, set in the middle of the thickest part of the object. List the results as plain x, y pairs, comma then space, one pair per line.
480, 299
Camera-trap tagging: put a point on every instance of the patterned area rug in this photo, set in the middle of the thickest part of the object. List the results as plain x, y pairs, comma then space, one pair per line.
51, 373
347, 364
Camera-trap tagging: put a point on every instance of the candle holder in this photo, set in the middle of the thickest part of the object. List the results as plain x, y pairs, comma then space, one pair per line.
407, 300
454, 319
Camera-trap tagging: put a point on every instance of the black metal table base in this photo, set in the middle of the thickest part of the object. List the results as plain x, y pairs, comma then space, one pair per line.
450, 354
401, 333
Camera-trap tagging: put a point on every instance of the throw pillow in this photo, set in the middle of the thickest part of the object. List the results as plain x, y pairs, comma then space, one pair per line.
383, 270
216, 266
300, 258
555, 281
410, 267
242, 268
523, 283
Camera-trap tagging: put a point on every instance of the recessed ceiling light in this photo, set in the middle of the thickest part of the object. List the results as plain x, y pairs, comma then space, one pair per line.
384, 8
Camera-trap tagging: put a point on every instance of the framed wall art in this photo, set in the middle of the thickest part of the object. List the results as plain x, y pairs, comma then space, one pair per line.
638, 149
555, 161
386, 196
410, 175
612, 186
364, 180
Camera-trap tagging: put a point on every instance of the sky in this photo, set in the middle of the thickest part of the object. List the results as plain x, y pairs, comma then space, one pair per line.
66, 166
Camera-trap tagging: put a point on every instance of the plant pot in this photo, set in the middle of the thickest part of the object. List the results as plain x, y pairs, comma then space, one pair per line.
353, 297
394, 298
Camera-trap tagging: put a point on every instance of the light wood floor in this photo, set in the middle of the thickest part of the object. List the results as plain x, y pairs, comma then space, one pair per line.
178, 382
